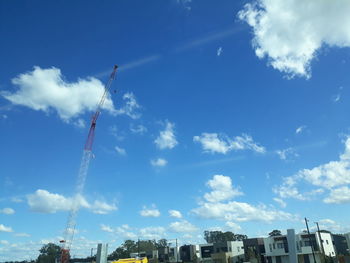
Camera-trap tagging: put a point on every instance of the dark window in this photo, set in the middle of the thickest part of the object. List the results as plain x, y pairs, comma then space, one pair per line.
278, 259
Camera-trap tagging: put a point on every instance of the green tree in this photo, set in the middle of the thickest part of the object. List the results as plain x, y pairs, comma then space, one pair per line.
219, 236
275, 233
161, 243
48, 253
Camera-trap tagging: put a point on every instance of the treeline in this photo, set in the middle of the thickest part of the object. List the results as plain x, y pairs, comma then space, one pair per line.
50, 252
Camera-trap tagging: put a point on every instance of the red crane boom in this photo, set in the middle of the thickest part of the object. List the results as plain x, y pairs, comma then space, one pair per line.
84, 166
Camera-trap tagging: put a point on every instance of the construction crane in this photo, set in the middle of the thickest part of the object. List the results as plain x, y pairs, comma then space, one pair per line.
66, 243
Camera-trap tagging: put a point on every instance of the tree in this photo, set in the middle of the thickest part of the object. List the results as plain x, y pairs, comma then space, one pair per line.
219, 236
161, 243
275, 233
131, 246
48, 253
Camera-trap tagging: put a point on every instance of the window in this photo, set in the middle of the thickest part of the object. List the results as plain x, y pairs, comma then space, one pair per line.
274, 246
270, 247
327, 241
280, 245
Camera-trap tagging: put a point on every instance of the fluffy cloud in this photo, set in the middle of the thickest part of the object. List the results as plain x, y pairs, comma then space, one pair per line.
150, 212
280, 202
233, 226
216, 143
43, 201
130, 108
175, 213
332, 226
221, 189
166, 138
219, 206
186, 4
338, 196
159, 162
139, 129
240, 211
333, 176
120, 150
152, 232
46, 90
123, 231
21, 235
182, 227
219, 51
286, 154
7, 211
4, 228
300, 129
290, 32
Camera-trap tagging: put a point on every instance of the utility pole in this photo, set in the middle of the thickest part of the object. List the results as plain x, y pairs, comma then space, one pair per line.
311, 243
176, 251
138, 247
321, 241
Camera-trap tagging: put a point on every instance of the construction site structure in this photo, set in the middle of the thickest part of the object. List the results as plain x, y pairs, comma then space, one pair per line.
66, 243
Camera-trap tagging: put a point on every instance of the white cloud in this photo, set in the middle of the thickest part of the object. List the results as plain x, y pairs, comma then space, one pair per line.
139, 129
240, 211
186, 4
333, 176
7, 211
47, 90
221, 189
280, 201
80, 123
22, 235
4, 228
152, 232
216, 143
131, 106
106, 228
300, 129
120, 151
150, 212
4, 242
182, 227
338, 196
159, 162
123, 231
219, 51
43, 201
217, 206
336, 98
331, 225
166, 138
233, 226
175, 213
286, 154
102, 208
16, 200
290, 32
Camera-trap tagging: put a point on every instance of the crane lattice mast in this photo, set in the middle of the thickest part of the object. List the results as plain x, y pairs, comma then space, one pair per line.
84, 166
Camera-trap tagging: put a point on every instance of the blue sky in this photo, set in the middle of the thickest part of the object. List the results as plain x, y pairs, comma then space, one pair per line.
230, 116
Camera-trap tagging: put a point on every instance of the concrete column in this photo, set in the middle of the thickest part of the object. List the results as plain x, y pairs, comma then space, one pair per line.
102, 253
292, 246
